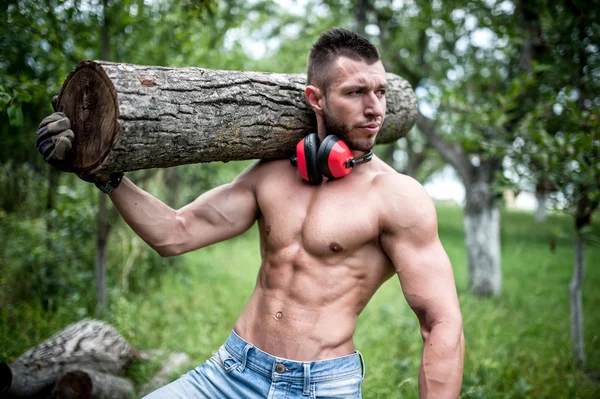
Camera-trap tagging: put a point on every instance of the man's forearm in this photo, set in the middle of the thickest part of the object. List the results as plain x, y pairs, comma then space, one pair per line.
440, 374
149, 217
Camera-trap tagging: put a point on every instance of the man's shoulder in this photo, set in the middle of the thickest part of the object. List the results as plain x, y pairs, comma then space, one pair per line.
389, 182
266, 173
404, 202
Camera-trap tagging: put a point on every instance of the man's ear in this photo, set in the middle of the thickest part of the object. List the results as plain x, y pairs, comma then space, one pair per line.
315, 98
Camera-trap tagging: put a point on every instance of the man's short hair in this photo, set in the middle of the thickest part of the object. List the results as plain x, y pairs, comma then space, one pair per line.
335, 43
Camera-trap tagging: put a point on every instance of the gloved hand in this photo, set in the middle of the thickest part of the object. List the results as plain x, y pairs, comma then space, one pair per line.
55, 138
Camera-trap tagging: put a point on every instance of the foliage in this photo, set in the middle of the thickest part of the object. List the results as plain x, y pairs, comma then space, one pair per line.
546, 117
559, 138
50, 252
517, 345
49, 259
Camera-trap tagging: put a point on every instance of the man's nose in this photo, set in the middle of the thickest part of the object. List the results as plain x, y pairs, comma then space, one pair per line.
374, 105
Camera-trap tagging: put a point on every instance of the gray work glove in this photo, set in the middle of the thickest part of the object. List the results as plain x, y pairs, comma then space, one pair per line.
55, 139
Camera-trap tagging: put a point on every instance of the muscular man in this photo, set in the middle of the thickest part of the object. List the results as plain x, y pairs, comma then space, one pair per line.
326, 248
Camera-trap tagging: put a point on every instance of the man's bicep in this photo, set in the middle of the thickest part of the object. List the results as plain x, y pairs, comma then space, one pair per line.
421, 262
427, 281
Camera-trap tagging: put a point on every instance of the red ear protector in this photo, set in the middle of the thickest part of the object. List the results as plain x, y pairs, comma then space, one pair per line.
332, 158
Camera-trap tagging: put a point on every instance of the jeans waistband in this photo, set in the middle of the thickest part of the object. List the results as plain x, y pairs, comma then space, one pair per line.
283, 369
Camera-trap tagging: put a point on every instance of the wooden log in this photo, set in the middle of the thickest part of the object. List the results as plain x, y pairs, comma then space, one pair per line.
87, 344
127, 117
92, 384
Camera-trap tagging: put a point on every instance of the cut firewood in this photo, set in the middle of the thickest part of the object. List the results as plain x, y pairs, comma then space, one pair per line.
91, 384
87, 344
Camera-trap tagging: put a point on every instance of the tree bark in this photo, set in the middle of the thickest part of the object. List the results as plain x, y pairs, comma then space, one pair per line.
482, 231
103, 225
415, 158
127, 117
88, 344
102, 222
360, 13
541, 213
482, 227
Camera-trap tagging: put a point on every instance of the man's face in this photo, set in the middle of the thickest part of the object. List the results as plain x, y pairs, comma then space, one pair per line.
355, 106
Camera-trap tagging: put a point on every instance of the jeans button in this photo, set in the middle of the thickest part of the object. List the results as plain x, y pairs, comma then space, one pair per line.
280, 368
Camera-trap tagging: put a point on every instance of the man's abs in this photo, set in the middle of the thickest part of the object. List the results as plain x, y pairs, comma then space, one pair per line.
307, 310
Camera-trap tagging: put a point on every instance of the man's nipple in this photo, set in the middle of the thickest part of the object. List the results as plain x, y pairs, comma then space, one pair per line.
268, 230
335, 247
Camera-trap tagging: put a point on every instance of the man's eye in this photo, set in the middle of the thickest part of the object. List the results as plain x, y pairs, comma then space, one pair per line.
381, 92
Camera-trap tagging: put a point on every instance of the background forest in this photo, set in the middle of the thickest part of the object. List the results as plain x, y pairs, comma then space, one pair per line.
509, 98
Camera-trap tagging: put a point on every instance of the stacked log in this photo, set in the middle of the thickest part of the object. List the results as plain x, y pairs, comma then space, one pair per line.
86, 360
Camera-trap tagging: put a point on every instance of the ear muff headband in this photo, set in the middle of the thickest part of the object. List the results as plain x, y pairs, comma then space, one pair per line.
311, 145
300, 160
333, 157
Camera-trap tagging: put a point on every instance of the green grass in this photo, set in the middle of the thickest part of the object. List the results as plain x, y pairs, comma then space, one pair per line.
518, 344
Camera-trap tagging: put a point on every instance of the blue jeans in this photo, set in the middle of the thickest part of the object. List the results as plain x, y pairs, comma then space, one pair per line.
241, 371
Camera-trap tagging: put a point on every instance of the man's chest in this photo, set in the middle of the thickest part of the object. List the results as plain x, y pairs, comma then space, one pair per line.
335, 217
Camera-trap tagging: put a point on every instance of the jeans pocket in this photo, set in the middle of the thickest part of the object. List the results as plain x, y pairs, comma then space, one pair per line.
225, 360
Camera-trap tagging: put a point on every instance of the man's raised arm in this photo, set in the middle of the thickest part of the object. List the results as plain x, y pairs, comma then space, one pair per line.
219, 214
409, 237
216, 215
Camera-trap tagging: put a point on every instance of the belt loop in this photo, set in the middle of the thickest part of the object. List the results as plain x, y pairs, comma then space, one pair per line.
242, 365
362, 364
306, 378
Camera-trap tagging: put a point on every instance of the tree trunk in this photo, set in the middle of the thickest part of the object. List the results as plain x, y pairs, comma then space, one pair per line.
88, 344
482, 233
415, 158
482, 217
360, 14
102, 231
541, 213
576, 303
102, 222
585, 206
128, 117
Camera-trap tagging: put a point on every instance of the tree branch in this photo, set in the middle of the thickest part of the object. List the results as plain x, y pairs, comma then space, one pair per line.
452, 153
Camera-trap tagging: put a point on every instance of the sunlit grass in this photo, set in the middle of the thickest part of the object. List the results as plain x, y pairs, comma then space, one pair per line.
518, 344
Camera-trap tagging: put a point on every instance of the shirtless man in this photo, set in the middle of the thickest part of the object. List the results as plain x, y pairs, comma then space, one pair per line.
326, 248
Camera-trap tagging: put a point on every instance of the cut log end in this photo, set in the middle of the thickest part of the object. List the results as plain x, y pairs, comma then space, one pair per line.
89, 100
5, 378
73, 385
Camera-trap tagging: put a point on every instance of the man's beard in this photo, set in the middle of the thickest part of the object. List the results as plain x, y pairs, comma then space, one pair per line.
333, 126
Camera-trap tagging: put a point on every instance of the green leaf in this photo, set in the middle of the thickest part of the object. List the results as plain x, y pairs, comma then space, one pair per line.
23, 96
15, 115
4, 99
